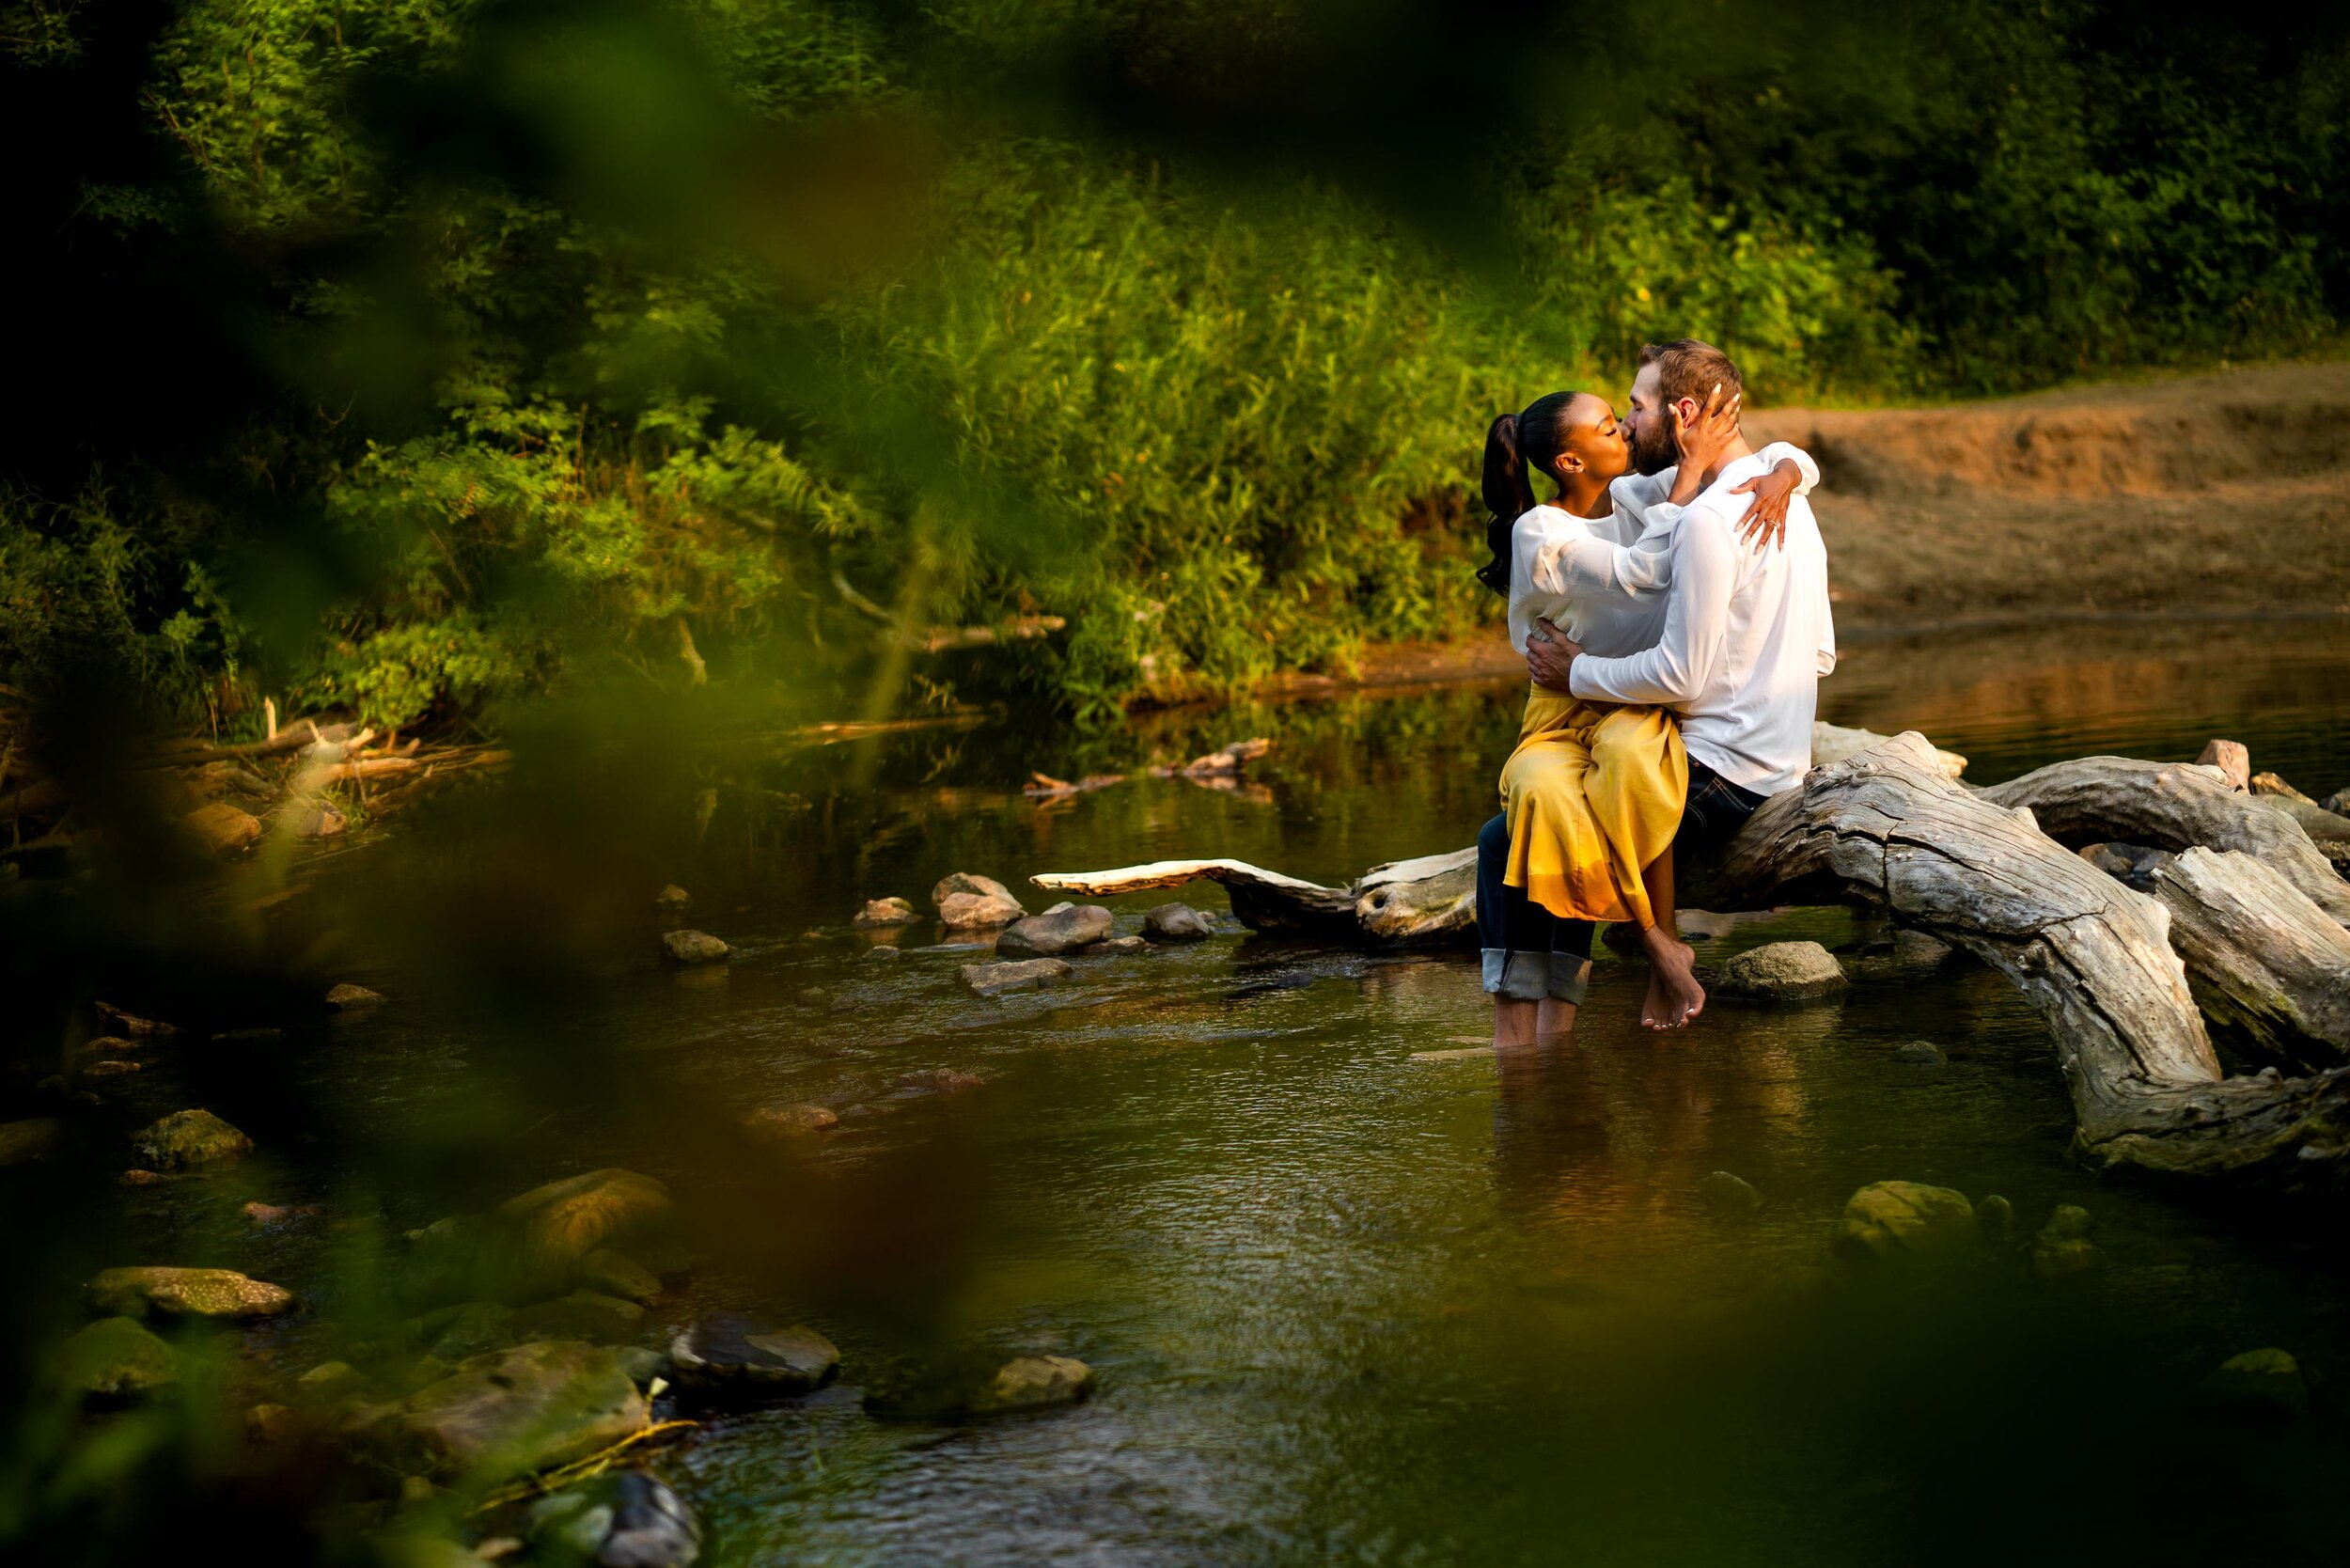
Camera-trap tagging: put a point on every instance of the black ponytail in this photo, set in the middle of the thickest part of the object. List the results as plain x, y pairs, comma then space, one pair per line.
1512, 442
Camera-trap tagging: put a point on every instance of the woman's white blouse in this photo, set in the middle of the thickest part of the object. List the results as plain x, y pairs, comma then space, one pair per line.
1604, 578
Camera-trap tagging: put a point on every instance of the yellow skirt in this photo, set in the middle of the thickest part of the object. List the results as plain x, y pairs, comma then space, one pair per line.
1594, 793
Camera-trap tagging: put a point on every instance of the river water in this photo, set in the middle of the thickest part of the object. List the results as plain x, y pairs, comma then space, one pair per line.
1346, 1304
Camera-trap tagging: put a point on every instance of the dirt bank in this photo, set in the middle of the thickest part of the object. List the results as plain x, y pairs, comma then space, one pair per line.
2227, 493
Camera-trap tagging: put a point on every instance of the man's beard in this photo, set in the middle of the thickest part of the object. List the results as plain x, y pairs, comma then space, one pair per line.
1652, 449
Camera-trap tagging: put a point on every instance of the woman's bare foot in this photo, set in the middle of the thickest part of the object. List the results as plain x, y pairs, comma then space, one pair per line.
1674, 995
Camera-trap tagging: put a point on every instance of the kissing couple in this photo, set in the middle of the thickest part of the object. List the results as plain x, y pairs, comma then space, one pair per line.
1671, 599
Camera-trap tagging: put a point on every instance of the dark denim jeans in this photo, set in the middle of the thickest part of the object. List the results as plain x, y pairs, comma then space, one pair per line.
1531, 953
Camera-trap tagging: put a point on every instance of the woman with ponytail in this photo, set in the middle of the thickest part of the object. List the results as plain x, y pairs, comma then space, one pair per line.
1594, 795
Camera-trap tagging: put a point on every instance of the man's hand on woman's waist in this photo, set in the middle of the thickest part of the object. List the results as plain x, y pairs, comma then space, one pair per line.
1549, 656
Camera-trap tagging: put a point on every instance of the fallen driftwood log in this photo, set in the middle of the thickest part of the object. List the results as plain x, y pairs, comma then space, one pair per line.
1888, 827
2176, 807
1409, 902
2268, 967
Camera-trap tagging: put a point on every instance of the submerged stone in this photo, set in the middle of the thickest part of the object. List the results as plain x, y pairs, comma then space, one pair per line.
1003, 980
559, 1224
1782, 972
1125, 945
582, 1315
189, 1138
1036, 1383
882, 913
623, 1519
1176, 921
791, 1120
728, 1353
673, 900
941, 1080
693, 946
2265, 1382
1056, 932
2053, 1256
1996, 1216
30, 1141
1893, 1220
1726, 1194
511, 1411
330, 1383
610, 1273
1921, 1053
190, 1293
346, 996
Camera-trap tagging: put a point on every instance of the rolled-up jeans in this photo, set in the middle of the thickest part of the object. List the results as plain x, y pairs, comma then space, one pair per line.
1531, 953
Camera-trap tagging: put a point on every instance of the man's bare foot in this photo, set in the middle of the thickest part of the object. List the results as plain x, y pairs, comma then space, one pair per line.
1674, 995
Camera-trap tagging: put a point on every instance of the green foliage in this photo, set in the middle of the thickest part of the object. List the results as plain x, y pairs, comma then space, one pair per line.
667, 339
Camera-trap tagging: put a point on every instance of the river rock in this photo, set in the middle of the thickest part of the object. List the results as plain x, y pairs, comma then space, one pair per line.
672, 900
1176, 922
1890, 1220
556, 1226
1782, 972
728, 1353
622, 1519
693, 946
115, 1359
526, 1408
878, 914
644, 1363
582, 1315
2267, 1381
2069, 1222
186, 1139
271, 1215
941, 1080
814, 998
346, 997
1995, 1215
966, 901
1124, 946
2063, 1246
472, 1328
30, 1141
1921, 1053
1726, 1194
1034, 1381
2233, 761
1915, 950
612, 1274
1056, 932
2338, 803
2135, 866
882, 950
119, 1022
791, 1120
110, 1067
330, 1383
2053, 1256
185, 1292
1001, 979
270, 1425
223, 829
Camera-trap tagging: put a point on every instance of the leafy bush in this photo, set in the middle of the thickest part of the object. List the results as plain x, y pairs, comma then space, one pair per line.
672, 339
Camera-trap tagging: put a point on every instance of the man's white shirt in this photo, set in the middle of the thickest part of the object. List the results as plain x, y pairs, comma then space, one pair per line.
1747, 636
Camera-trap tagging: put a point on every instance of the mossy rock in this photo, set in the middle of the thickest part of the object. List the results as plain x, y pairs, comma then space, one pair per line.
117, 1360
188, 1139
1887, 1221
186, 1292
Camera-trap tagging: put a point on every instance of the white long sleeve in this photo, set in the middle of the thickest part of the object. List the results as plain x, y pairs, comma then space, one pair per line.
1745, 637
1704, 570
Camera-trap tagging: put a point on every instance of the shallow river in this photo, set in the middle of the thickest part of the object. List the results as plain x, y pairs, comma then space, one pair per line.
1349, 1305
